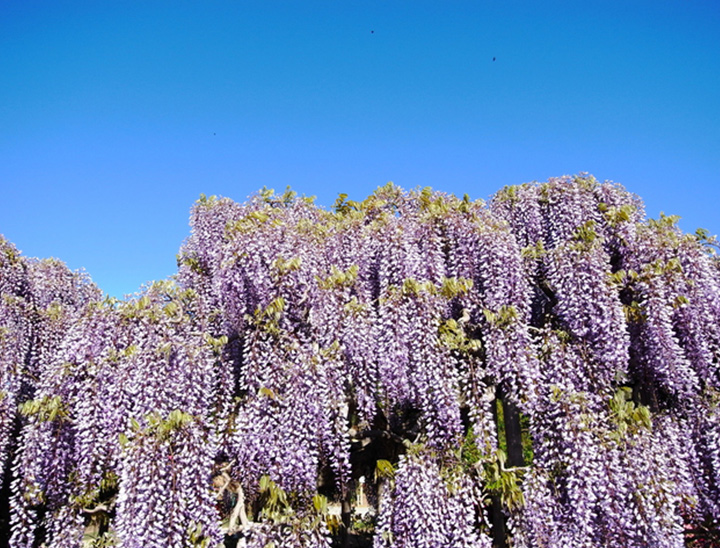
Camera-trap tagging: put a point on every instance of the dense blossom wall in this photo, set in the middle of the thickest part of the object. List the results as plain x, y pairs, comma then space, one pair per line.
537, 371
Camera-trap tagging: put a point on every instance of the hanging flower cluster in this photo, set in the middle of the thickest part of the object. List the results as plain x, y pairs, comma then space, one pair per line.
541, 370
119, 427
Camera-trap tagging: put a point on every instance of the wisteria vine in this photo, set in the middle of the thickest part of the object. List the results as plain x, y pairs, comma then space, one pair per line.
412, 370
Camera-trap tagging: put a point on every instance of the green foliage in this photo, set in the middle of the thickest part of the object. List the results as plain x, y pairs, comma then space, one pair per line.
174, 311
634, 312
384, 469
54, 311
158, 427
504, 483
109, 483
267, 392
252, 221
449, 288
620, 279
534, 252
274, 502
585, 181
439, 205
662, 268
354, 306
629, 418
339, 278
46, 409
628, 280
268, 318
452, 334
282, 266
526, 439
664, 221
585, 234
508, 193
10, 254
322, 513
216, 344
343, 206
363, 524
413, 288
268, 196
142, 308
207, 201
616, 215
470, 454
99, 540
703, 235
454, 287
504, 316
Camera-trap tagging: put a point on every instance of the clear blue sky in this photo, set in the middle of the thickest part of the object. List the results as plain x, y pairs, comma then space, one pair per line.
115, 116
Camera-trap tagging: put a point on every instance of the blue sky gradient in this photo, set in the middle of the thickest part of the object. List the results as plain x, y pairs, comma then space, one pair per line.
115, 115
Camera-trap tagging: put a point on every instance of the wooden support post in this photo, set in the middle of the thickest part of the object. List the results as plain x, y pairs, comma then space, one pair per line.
497, 517
346, 511
513, 436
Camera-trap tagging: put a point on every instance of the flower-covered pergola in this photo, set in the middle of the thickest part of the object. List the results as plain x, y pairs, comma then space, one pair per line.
541, 370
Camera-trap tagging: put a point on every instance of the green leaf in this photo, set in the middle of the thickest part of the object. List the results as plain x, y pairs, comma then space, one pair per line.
320, 503
384, 469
